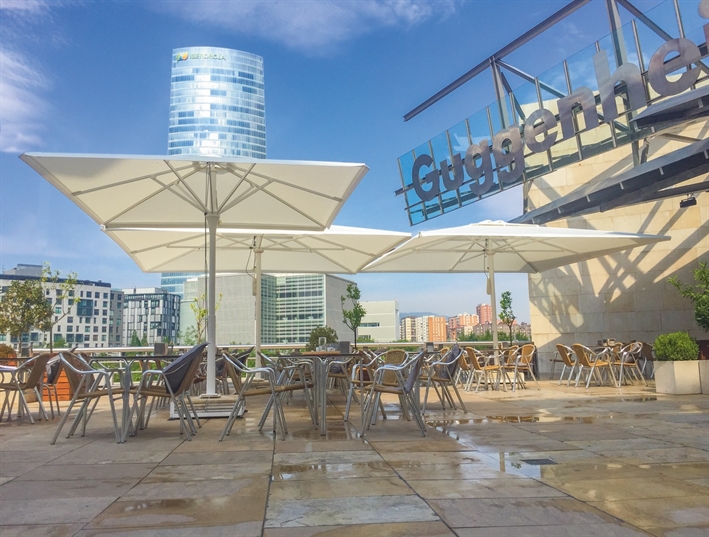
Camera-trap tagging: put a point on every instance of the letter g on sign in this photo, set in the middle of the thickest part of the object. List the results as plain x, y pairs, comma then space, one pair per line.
431, 177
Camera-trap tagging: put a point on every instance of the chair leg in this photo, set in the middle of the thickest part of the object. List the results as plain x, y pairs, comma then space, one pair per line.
460, 399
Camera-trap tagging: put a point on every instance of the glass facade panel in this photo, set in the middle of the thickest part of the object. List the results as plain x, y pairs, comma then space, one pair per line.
217, 104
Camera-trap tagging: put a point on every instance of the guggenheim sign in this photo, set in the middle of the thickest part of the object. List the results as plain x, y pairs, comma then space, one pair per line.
547, 134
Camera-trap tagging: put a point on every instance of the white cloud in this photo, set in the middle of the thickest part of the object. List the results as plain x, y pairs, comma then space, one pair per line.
21, 103
22, 81
311, 24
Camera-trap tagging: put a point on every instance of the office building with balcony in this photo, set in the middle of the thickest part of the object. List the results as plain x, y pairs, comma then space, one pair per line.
151, 313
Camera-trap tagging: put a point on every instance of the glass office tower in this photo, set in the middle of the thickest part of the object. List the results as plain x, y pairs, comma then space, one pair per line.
216, 109
217, 103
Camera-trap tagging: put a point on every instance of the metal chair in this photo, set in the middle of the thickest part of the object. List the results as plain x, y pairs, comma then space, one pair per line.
440, 374
87, 385
522, 364
27, 376
404, 388
280, 380
175, 381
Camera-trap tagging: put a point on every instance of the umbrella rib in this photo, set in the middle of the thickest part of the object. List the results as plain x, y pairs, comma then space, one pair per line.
238, 184
297, 187
181, 180
168, 244
274, 196
120, 183
319, 253
160, 265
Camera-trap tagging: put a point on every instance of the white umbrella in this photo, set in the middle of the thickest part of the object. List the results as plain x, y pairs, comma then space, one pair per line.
336, 250
502, 247
132, 191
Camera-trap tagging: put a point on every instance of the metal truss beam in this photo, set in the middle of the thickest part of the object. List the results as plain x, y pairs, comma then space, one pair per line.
504, 51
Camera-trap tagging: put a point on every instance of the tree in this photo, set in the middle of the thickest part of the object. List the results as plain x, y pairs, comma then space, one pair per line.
506, 315
698, 294
134, 339
353, 318
197, 334
62, 292
316, 333
365, 339
144, 340
23, 307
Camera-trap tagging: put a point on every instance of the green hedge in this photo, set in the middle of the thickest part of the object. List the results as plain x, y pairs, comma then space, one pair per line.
676, 346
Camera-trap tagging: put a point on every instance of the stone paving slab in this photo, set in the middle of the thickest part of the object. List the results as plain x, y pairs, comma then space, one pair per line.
619, 463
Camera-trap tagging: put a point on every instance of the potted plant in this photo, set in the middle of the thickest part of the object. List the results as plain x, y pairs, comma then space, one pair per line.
677, 364
699, 295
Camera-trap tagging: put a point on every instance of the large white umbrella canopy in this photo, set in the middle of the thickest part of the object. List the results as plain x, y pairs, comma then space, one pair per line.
336, 250
496, 246
173, 192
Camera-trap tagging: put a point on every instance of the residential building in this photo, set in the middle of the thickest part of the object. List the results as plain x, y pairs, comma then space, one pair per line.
437, 328
381, 321
152, 313
217, 103
115, 319
421, 328
82, 318
461, 323
407, 329
484, 312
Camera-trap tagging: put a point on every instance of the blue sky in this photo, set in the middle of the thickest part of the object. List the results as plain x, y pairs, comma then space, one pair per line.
94, 77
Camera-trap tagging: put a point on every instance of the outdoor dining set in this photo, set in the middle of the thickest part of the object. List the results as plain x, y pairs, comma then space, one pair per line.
145, 383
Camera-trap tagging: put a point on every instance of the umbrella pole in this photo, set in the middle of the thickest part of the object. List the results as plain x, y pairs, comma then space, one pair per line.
212, 222
493, 305
257, 293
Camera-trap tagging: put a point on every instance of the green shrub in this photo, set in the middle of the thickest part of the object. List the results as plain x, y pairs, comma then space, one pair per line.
676, 346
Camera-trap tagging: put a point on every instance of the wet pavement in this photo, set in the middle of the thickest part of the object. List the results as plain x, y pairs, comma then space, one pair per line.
557, 462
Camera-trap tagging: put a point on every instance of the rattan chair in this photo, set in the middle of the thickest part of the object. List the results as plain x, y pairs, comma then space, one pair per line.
522, 365
568, 358
482, 370
592, 363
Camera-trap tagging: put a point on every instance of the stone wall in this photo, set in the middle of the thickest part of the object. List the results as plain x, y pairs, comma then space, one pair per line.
626, 295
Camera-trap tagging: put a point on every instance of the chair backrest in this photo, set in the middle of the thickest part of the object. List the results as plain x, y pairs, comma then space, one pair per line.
464, 360
395, 357
452, 359
181, 372
38, 367
72, 376
414, 373
582, 354
510, 355
235, 365
646, 352
473, 358
526, 354
565, 354
631, 352
54, 367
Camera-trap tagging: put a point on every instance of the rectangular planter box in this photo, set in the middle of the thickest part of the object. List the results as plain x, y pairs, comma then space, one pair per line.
677, 377
704, 375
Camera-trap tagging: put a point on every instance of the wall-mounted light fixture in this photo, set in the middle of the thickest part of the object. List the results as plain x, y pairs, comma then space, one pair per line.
689, 202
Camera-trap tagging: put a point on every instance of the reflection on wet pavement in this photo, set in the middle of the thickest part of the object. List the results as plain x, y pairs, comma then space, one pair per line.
559, 462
